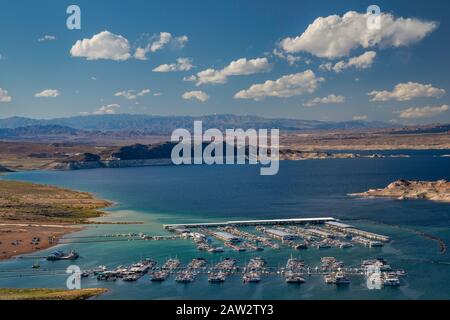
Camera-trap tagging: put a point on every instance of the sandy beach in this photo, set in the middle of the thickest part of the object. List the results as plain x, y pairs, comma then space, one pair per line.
34, 217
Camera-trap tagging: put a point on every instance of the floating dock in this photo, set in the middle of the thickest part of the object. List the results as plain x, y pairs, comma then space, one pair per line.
280, 235
299, 233
352, 230
225, 236
250, 223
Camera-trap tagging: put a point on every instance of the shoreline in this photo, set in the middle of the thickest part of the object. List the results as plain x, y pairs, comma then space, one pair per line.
25, 234
37, 216
438, 191
289, 150
50, 294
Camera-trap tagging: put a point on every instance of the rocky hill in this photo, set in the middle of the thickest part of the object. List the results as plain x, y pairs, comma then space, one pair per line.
406, 189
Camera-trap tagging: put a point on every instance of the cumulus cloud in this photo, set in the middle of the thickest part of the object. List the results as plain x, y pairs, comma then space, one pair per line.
48, 93
331, 99
423, 112
360, 118
159, 42
235, 68
198, 95
4, 96
407, 91
108, 109
284, 87
289, 58
363, 61
104, 45
164, 39
182, 64
132, 94
47, 38
140, 54
335, 36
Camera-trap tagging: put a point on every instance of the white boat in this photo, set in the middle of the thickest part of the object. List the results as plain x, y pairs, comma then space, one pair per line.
217, 277
391, 280
338, 278
341, 279
292, 277
251, 277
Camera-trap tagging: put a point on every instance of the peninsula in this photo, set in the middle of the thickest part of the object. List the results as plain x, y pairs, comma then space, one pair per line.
406, 189
33, 217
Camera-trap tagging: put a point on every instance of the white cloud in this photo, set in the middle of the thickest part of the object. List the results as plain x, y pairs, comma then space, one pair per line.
190, 78
286, 86
363, 61
108, 109
132, 94
210, 76
140, 54
198, 95
407, 91
335, 36
290, 58
182, 64
424, 112
48, 93
4, 96
2, 57
47, 38
331, 99
143, 92
235, 68
164, 39
104, 45
360, 118
159, 42
181, 41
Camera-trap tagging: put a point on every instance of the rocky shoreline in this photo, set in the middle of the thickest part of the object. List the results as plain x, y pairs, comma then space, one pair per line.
405, 189
294, 155
80, 165
284, 155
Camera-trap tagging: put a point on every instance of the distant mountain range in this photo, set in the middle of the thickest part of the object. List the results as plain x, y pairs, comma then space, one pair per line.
163, 125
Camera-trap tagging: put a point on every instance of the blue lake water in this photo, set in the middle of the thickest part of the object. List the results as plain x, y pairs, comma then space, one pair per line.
313, 188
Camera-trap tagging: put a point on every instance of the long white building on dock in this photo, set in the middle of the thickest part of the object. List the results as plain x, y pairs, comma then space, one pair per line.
250, 223
352, 230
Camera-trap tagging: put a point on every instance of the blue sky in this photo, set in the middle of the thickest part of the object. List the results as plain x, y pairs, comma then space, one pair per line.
46, 73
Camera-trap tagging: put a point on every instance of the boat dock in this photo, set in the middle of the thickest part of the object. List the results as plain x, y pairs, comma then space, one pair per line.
298, 233
345, 228
246, 223
295, 271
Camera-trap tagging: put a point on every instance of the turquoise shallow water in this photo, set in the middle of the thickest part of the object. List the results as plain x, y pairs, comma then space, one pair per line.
159, 195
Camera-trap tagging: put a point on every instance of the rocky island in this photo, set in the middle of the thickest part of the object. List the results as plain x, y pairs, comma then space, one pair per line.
406, 189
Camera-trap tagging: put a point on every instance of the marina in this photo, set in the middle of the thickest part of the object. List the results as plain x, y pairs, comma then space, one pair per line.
250, 235
298, 233
256, 270
256, 235
244, 223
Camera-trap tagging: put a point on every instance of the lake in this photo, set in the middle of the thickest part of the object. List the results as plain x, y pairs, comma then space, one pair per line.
313, 188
